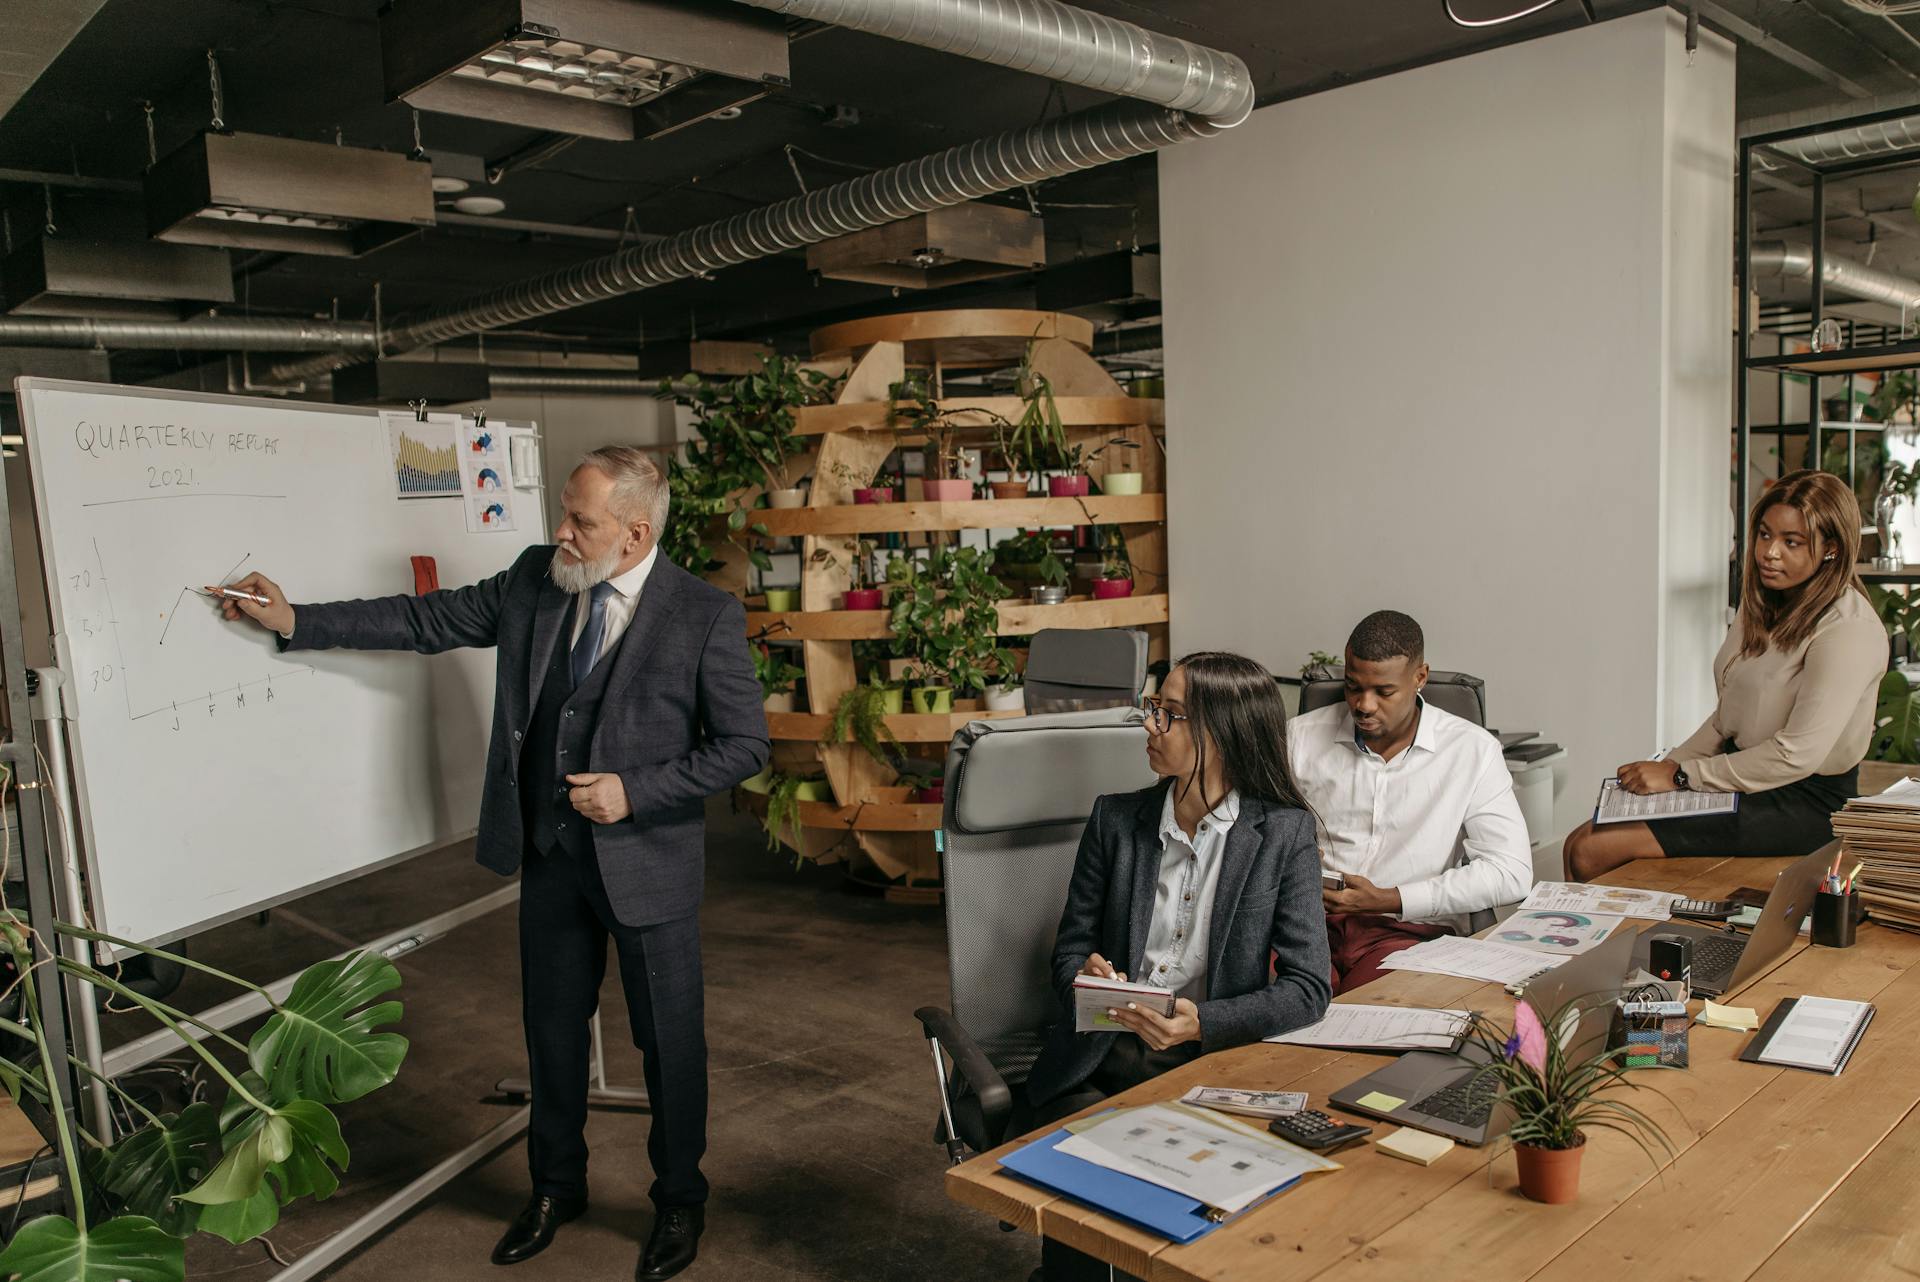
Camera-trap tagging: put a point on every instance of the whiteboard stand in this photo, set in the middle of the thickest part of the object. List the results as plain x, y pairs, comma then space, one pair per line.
599, 1093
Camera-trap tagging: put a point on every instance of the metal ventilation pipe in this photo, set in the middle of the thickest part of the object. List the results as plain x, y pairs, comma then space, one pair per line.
1795, 262
1057, 41
501, 382
1067, 145
218, 333
1882, 138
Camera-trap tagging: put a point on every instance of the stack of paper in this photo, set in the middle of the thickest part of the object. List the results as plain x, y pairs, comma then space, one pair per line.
1356, 1026
1883, 834
1611, 901
1212, 1159
1473, 959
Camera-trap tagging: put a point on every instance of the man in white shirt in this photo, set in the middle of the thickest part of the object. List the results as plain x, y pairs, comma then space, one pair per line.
1416, 807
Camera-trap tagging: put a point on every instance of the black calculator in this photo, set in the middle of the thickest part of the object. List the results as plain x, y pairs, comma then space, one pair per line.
1705, 909
1313, 1129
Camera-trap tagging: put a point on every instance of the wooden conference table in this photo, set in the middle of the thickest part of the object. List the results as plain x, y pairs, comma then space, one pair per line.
1780, 1175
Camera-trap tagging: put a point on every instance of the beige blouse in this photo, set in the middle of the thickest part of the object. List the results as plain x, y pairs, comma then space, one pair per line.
1792, 713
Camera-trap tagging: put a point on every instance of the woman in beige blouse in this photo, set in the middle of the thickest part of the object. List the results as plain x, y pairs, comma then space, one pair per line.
1798, 677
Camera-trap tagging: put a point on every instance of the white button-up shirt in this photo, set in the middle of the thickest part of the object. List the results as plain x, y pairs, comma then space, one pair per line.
1439, 821
1176, 954
620, 606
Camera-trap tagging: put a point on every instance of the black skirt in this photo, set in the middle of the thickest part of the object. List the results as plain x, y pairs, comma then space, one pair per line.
1794, 819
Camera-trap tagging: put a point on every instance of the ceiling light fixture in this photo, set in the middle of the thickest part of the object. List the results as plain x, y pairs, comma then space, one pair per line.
1502, 20
251, 191
482, 205
444, 186
635, 69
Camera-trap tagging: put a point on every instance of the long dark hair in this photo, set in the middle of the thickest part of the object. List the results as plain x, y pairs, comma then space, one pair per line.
1235, 703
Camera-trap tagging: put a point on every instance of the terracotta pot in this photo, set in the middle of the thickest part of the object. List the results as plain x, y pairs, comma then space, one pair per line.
779, 599
1068, 487
795, 497
1121, 483
947, 491
873, 496
933, 699
864, 599
779, 702
1112, 589
1009, 489
1006, 698
1550, 1175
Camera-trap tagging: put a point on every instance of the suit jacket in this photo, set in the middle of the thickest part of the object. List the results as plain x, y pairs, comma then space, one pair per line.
681, 718
1267, 905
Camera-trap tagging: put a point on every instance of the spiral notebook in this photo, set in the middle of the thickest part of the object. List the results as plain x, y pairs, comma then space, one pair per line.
1815, 1033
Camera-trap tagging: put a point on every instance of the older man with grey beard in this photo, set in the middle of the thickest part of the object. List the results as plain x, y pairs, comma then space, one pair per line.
625, 697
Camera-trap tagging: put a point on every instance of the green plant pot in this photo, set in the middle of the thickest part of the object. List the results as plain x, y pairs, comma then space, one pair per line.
779, 599
761, 783
814, 790
1122, 483
894, 701
933, 699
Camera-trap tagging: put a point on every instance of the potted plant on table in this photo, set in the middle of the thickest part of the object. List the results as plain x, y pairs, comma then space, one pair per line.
1556, 1099
777, 677
946, 620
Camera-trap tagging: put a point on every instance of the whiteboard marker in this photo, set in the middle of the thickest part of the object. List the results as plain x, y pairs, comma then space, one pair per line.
238, 595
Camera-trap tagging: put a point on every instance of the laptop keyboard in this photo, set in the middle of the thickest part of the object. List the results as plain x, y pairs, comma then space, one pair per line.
1468, 1102
1716, 956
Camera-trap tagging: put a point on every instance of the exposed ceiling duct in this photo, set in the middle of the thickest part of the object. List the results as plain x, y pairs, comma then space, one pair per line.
209, 334
613, 69
1842, 275
1207, 89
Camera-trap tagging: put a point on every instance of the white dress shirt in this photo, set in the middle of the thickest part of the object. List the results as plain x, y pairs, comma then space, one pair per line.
1439, 821
1176, 954
620, 606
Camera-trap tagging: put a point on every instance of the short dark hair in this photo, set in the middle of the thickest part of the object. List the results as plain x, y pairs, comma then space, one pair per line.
1387, 634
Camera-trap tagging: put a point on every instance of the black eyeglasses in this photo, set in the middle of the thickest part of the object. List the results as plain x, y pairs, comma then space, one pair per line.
1159, 716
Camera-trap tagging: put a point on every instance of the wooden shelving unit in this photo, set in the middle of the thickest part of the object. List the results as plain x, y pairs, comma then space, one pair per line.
872, 819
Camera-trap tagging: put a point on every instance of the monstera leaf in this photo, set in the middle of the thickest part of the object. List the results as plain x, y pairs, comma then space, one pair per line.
128, 1248
1896, 735
271, 1159
239, 1222
149, 1170
320, 1045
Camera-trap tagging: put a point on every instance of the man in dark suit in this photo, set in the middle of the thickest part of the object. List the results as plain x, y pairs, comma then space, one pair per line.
625, 697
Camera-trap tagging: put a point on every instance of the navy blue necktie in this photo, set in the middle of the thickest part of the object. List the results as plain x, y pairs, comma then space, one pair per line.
586, 651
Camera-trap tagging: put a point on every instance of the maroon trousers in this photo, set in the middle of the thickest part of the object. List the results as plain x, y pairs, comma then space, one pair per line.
1359, 942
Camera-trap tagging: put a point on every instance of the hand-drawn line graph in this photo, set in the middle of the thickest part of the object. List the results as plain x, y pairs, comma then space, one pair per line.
106, 672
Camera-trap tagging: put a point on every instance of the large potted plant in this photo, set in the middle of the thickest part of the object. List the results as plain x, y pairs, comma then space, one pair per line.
1556, 1099
224, 1165
946, 620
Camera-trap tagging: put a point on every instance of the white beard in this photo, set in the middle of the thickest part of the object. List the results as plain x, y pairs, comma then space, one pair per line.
576, 576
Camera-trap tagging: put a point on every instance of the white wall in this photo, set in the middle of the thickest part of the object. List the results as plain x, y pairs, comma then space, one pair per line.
1456, 342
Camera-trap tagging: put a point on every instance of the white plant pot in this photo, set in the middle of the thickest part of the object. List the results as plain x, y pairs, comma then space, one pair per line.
797, 498
780, 702
1121, 483
1006, 699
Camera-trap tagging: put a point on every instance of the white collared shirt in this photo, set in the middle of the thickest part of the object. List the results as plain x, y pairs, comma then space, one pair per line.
620, 606
1176, 954
1439, 821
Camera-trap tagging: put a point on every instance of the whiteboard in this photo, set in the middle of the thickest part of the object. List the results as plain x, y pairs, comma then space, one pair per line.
216, 776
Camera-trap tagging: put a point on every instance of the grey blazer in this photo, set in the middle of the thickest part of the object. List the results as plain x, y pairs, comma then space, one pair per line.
1267, 904
680, 721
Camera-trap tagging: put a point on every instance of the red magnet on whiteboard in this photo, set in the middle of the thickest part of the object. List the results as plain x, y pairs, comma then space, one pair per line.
426, 576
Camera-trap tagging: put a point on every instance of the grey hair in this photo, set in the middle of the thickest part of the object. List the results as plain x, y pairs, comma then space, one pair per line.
639, 486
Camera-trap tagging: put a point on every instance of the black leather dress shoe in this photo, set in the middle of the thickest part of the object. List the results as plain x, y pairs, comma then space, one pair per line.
673, 1244
532, 1230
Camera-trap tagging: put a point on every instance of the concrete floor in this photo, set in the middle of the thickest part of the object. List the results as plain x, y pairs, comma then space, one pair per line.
821, 1154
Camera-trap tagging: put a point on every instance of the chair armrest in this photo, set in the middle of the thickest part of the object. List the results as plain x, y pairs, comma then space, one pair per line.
970, 1064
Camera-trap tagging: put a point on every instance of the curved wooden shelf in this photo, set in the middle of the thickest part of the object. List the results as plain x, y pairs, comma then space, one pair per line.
1017, 618
963, 336
1075, 411
907, 727
887, 814
972, 514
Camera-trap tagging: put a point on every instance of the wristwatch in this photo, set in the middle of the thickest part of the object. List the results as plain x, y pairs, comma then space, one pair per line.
1680, 779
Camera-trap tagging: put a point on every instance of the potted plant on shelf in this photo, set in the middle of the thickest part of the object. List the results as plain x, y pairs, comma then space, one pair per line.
1077, 459
1030, 558
1116, 570
776, 677
914, 411
783, 804
946, 620
1009, 693
862, 592
862, 715
1037, 435
1556, 1099
780, 600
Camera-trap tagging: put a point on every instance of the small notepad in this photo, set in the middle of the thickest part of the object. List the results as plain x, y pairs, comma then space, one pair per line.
1414, 1146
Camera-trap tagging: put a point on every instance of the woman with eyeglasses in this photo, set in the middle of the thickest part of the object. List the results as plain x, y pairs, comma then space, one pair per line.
1192, 885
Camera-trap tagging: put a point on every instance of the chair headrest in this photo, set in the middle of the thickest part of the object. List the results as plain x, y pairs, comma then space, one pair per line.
1037, 772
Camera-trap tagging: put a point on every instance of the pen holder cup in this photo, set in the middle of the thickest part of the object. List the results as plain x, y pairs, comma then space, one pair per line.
1834, 919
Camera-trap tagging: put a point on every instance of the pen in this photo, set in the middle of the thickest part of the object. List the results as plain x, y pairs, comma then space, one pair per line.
1660, 755
238, 595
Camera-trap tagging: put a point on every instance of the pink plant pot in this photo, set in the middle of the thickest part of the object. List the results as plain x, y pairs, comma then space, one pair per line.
948, 491
932, 796
1111, 589
873, 496
1067, 487
865, 599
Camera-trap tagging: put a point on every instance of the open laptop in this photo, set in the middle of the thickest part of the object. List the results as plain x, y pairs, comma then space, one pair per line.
1726, 960
1439, 1092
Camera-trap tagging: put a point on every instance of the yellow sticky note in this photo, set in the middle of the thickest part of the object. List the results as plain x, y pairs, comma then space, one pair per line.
1739, 1018
1380, 1100
1415, 1146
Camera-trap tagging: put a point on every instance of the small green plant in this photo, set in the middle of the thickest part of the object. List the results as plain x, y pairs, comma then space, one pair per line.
1030, 557
1556, 1098
783, 809
1319, 665
862, 714
1078, 458
1038, 434
1115, 564
776, 674
946, 618
1899, 390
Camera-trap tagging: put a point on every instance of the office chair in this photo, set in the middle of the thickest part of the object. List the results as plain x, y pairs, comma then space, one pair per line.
1455, 692
1018, 793
1072, 670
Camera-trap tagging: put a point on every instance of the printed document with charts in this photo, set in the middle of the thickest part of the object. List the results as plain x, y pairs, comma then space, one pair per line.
1212, 1159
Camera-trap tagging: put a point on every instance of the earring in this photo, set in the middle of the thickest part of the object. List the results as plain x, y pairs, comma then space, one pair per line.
1827, 557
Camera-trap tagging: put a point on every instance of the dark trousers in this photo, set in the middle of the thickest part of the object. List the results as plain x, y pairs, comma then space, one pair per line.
1358, 943
565, 922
